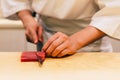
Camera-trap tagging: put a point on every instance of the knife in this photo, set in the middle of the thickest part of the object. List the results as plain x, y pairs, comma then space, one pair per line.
39, 46
40, 54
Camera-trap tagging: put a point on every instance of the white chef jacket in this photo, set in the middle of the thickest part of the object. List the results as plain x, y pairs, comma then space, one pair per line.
72, 14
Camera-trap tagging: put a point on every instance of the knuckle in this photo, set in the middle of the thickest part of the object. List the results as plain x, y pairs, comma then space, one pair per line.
59, 32
50, 40
65, 36
57, 49
54, 44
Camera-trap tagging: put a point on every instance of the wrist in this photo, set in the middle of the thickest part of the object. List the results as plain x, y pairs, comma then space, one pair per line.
87, 36
25, 16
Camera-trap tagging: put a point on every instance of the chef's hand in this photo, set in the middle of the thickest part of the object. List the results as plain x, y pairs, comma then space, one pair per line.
33, 32
60, 45
33, 29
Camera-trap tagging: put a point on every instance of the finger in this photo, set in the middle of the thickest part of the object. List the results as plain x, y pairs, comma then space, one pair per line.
48, 43
28, 37
63, 53
40, 36
59, 49
34, 36
66, 52
54, 45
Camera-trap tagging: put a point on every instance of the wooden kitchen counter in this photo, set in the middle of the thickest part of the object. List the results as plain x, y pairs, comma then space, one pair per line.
81, 66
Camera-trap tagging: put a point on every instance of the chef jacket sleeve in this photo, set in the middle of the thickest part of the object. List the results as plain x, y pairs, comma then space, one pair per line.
11, 7
107, 19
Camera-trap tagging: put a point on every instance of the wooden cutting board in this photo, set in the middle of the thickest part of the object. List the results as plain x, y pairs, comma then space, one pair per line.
81, 66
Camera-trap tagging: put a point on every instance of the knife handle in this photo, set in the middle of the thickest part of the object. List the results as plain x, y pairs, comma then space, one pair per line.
39, 46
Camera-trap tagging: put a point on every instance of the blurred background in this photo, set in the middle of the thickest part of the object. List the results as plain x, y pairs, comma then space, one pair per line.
12, 37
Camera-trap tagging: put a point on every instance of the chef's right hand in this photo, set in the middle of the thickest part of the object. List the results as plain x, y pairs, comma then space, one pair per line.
33, 32
33, 29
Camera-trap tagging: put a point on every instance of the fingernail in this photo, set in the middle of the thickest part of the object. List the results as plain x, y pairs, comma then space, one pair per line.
41, 40
35, 41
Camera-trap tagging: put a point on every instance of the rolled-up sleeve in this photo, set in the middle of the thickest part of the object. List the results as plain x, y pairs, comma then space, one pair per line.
107, 19
11, 7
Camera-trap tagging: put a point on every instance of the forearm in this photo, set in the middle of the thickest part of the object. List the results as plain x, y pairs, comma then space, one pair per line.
87, 36
33, 29
25, 16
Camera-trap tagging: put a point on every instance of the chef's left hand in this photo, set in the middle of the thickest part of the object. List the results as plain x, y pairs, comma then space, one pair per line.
60, 45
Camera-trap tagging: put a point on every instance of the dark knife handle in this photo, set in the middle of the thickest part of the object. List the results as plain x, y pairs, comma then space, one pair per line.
39, 46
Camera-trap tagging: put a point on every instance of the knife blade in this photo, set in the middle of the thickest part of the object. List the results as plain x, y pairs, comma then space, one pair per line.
39, 46
40, 54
